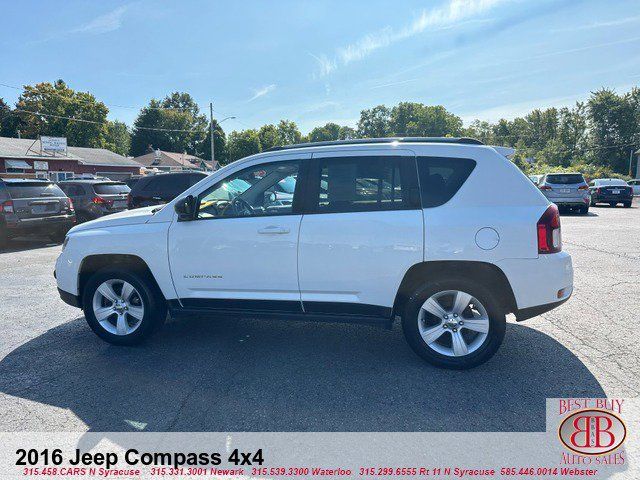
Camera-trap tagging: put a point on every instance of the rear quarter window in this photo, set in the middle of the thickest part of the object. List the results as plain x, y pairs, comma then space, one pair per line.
441, 178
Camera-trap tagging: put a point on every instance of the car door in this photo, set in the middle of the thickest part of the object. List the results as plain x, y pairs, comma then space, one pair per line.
241, 249
362, 230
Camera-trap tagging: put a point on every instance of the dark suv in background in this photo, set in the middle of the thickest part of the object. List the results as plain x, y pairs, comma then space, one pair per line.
95, 198
161, 188
34, 206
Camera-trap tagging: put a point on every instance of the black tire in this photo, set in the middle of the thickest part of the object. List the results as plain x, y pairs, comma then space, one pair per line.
613, 204
58, 236
495, 336
627, 205
593, 203
584, 210
4, 238
155, 309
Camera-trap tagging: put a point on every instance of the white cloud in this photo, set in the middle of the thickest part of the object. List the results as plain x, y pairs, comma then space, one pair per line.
104, 23
261, 92
590, 26
451, 14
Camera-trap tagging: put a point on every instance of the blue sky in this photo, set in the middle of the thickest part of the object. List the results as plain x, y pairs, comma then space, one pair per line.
320, 61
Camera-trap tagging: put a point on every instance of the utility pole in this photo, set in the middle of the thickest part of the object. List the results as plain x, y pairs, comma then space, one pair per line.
213, 151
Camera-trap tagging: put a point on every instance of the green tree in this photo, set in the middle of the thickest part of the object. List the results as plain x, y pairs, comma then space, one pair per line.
347, 133
8, 121
374, 122
288, 133
242, 144
57, 102
330, 131
117, 137
614, 128
219, 143
174, 124
269, 136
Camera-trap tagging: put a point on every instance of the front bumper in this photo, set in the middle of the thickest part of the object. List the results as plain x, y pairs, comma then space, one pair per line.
69, 298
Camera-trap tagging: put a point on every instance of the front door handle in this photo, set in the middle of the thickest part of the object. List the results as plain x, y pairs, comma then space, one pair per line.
273, 230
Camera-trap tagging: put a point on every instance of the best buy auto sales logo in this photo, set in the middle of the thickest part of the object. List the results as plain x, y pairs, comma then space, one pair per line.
592, 431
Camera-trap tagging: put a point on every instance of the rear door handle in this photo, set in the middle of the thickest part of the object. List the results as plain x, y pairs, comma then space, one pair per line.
273, 230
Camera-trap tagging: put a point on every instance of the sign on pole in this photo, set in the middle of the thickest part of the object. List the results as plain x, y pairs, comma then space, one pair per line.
53, 144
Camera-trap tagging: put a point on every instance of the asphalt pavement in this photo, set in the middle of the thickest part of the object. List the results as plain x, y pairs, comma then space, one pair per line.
246, 375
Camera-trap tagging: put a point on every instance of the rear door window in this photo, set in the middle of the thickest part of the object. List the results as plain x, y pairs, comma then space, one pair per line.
441, 178
111, 188
34, 190
364, 184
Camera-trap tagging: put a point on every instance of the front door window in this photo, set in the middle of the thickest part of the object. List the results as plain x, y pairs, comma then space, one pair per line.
261, 190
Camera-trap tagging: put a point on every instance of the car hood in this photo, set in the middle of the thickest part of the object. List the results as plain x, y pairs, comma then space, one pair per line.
128, 217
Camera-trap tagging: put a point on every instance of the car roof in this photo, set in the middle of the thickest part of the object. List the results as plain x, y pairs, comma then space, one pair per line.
367, 141
90, 180
24, 180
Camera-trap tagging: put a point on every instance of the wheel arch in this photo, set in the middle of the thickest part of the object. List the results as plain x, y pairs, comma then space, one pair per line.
486, 273
131, 263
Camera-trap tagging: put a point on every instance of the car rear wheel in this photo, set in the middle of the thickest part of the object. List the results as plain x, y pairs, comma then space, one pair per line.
627, 205
612, 204
454, 323
122, 307
584, 210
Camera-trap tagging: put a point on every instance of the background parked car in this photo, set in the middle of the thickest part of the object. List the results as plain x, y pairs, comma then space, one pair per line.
95, 198
566, 190
612, 191
535, 179
34, 206
162, 188
635, 185
131, 181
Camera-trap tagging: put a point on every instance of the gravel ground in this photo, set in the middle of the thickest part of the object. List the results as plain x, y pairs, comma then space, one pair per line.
247, 375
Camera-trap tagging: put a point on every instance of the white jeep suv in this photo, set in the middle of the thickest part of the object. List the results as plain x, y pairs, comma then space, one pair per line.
446, 235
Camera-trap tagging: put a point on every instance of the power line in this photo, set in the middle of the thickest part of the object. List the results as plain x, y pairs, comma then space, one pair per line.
103, 123
54, 92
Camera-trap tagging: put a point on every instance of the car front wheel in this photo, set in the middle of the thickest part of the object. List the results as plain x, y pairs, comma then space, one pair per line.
123, 307
454, 324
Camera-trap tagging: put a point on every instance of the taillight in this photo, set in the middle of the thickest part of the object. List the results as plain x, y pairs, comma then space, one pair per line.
6, 206
549, 239
583, 187
101, 201
544, 187
71, 205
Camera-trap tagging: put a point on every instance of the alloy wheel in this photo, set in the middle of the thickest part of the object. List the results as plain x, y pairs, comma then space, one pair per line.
453, 323
118, 307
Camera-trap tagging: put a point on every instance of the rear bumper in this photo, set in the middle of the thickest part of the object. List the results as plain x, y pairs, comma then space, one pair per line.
539, 282
30, 225
527, 313
612, 198
69, 298
577, 201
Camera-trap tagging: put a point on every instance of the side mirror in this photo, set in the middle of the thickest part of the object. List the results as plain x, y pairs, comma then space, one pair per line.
186, 208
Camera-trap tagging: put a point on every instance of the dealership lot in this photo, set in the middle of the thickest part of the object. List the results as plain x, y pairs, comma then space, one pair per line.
230, 375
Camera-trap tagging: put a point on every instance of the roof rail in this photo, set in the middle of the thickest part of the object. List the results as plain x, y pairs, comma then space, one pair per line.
366, 141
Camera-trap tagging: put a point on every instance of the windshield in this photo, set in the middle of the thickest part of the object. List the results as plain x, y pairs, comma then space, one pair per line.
111, 188
34, 189
565, 179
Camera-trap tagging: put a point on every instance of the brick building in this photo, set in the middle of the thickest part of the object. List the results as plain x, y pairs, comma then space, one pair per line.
21, 156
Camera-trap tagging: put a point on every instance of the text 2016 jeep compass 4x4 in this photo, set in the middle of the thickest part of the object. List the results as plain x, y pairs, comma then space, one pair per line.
445, 234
